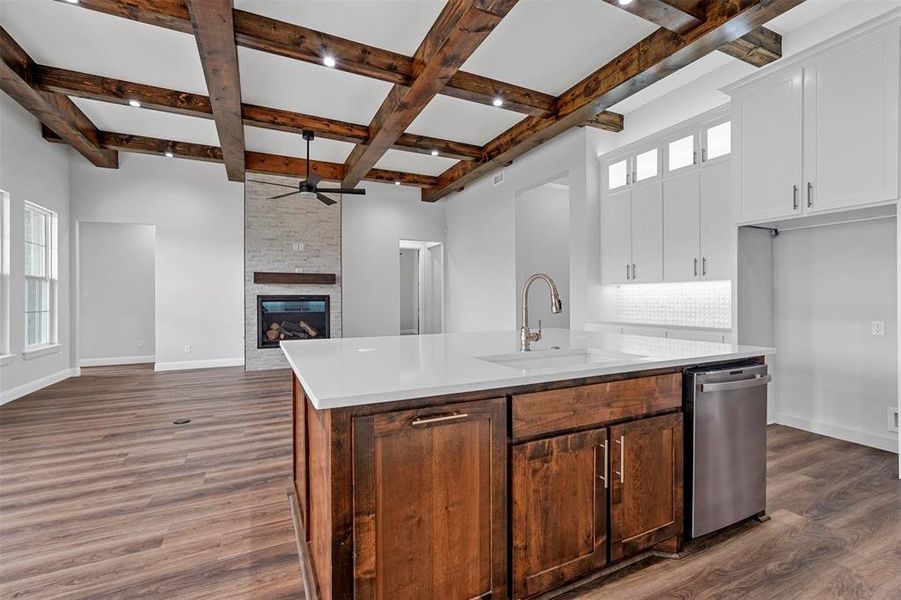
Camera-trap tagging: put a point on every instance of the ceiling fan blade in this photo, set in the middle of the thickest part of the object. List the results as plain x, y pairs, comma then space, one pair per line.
341, 191
325, 199
284, 195
293, 187
312, 179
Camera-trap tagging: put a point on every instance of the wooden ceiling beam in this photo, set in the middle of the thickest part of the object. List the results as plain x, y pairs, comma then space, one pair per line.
650, 60
214, 32
301, 43
53, 110
680, 16
607, 121
107, 89
457, 32
758, 48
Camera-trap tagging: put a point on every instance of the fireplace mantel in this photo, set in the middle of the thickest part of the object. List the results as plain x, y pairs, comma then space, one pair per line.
295, 278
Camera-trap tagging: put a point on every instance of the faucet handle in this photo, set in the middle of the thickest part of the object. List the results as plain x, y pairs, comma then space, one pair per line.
538, 334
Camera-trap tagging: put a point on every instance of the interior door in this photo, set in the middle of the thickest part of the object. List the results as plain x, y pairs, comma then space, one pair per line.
645, 483
851, 124
681, 226
431, 478
768, 148
618, 237
717, 231
559, 510
647, 232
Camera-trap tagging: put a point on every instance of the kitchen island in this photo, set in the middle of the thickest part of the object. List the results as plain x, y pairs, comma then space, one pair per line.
453, 466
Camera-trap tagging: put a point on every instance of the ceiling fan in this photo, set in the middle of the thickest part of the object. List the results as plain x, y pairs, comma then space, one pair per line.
307, 188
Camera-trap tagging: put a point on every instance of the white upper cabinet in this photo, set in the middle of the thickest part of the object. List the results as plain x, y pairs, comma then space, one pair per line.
682, 226
618, 238
767, 127
647, 233
717, 230
851, 124
820, 134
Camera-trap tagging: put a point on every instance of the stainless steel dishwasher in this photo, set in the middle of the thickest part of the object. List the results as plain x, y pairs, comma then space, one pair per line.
726, 453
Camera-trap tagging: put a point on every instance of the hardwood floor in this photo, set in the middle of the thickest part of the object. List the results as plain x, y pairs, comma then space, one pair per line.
101, 496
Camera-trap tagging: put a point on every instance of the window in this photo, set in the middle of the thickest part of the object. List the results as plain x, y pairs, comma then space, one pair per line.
646, 165
682, 152
719, 140
40, 276
617, 174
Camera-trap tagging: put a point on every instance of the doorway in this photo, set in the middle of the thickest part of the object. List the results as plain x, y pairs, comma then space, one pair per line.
421, 287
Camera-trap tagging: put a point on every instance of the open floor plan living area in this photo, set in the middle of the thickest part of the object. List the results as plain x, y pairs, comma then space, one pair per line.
450, 299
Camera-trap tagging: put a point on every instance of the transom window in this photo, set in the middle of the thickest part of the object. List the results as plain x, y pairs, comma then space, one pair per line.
681, 152
41, 275
646, 165
719, 140
618, 174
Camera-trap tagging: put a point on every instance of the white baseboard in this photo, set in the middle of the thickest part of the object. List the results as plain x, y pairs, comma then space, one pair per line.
116, 360
37, 384
186, 365
887, 442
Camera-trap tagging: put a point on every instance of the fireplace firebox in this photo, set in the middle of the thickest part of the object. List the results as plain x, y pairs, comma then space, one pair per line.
291, 318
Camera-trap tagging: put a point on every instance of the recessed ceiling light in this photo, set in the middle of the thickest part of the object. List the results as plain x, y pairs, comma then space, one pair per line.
434, 153
329, 61
396, 183
72, 1
134, 103
169, 154
497, 102
625, 2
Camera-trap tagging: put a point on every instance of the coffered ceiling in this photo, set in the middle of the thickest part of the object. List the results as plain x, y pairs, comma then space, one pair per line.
530, 54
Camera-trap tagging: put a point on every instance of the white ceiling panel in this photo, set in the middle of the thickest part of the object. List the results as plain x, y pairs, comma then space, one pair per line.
401, 24
550, 45
150, 123
280, 82
398, 160
291, 144
68, 36
463, 121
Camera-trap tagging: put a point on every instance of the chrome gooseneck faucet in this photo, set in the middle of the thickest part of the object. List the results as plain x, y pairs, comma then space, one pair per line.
526, 336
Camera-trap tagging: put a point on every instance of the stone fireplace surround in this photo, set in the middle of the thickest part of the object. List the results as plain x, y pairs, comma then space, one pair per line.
289, 235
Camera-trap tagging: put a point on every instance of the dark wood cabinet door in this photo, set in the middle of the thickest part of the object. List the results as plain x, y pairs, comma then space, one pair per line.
645, 483
559, 513
430, 503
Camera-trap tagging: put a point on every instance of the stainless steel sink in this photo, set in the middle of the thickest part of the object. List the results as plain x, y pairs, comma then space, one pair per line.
557, 359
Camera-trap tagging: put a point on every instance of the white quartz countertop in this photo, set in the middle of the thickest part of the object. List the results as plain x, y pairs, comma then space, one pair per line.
345, 372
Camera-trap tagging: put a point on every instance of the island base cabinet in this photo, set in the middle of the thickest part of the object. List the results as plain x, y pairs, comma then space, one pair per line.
646, 492
559, 520
429, 503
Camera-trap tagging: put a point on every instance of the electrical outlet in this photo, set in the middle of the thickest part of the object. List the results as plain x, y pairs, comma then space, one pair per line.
140, 343
298, 246
188, 349
892, 413
877, 328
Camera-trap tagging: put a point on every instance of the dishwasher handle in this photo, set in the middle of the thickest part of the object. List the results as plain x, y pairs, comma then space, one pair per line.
741, 384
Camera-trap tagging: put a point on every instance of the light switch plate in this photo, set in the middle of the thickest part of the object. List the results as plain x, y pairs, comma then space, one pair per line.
877, 328
892, 414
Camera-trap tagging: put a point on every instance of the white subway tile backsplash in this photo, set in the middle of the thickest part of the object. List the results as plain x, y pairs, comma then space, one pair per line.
704, 304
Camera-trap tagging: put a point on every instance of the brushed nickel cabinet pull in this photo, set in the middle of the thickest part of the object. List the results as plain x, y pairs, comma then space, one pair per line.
704, 266
622, 458
809, 196
429, 420
604, 476
627, 273
795, 197
634, 272
696, 267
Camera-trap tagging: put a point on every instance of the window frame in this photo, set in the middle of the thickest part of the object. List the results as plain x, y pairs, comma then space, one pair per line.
644, 150
51, 276
626, 158
694, 133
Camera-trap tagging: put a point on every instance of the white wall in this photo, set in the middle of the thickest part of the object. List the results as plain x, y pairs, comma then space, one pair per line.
372, 227
199, 218
116, 283
542, 246
481, 239
35, 171
833, 376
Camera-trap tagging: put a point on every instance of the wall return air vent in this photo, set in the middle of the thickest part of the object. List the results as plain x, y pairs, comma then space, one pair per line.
499, 178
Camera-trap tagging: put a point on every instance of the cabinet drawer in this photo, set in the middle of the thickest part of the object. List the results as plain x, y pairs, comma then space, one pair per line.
583, 406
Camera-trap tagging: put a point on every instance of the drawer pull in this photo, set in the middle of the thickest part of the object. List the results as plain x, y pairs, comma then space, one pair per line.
622, 458
429, 420
606, 466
